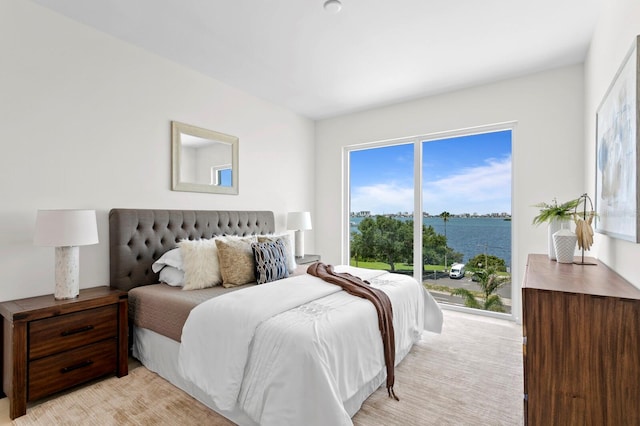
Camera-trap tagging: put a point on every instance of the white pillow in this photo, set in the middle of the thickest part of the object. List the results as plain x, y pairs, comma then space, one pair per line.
200, 262
289, 247
171, 258
172, 276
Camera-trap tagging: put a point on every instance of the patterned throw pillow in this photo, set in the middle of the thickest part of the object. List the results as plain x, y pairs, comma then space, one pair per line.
236, 261
288, 247
270, 260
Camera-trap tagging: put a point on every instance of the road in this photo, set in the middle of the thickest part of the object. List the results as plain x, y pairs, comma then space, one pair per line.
466, 282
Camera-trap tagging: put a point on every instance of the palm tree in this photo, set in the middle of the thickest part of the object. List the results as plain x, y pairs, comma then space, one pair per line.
445, 216
490, 282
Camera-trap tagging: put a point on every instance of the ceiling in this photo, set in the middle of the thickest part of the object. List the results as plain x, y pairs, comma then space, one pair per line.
373, 53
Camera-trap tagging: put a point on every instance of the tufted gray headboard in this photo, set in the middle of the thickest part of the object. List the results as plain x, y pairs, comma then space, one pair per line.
138, 237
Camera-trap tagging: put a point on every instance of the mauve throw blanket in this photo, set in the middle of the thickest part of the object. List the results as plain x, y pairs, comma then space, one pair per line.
358, 287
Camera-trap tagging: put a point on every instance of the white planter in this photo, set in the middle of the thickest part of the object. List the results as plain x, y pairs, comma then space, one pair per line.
554, 226
564, 242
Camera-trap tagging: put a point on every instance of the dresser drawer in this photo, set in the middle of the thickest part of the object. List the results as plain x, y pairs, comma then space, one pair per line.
64, 332
66, 369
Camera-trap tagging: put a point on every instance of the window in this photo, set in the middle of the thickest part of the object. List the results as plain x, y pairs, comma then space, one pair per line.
221, 175
460, 238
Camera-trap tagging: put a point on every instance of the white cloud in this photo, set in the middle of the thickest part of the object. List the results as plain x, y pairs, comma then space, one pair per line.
481, 189
382, 198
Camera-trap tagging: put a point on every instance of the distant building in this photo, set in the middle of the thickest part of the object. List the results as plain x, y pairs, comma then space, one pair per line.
501, 215
364, 213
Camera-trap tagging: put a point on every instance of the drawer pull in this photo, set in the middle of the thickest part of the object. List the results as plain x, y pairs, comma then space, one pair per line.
75, 367
77, 330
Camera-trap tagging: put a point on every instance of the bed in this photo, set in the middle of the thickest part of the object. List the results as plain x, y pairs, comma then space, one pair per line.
295, 350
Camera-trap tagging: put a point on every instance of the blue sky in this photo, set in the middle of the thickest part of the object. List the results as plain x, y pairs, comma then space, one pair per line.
467, 174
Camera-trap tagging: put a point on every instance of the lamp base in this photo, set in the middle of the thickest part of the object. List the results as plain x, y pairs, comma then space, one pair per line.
67, 273
299, 243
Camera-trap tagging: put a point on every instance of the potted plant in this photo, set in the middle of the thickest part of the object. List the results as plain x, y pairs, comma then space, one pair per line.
551, 212
557, 216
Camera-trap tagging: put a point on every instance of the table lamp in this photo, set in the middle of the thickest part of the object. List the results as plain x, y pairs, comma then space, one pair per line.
299, 222
66, 230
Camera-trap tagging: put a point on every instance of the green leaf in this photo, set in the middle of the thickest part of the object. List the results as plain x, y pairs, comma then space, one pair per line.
549, 212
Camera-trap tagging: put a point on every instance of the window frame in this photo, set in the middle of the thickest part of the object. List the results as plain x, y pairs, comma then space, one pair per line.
417, 142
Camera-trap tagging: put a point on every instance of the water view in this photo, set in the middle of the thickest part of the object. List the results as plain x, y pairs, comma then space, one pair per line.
469, 235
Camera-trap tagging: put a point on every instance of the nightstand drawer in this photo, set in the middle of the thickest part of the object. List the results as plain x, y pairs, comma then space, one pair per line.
61, 333
66, 369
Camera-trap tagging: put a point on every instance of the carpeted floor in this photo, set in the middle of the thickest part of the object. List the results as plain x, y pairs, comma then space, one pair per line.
471, 374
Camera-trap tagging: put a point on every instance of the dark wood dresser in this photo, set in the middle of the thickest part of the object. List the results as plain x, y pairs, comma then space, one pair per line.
50, 345
581, 345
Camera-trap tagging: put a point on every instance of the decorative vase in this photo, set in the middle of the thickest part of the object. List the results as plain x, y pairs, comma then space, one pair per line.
564, 242
554, 226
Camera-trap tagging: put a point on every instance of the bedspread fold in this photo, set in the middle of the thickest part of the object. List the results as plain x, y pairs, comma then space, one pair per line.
361, 288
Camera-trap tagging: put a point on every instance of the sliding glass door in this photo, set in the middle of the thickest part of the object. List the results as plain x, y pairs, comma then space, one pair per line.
466, 187
459, 241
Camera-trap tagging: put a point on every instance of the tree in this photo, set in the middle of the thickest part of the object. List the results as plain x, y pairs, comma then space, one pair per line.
445, 217
389, 240
432, 246
384, 239
487, 261
356, 243
435, 249
490, 282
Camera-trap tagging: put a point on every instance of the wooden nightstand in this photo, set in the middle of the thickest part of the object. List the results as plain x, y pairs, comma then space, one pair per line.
308, 258
50, 345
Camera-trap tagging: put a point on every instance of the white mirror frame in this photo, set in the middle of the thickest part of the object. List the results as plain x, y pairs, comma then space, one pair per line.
178, 129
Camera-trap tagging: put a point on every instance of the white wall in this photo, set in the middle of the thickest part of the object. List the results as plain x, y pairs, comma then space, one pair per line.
618, 26
547, 148
85, 122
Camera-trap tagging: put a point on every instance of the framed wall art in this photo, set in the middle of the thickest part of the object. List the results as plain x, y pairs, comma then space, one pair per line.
617, 153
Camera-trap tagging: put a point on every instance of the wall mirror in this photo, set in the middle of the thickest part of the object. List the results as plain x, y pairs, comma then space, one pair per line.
203, 160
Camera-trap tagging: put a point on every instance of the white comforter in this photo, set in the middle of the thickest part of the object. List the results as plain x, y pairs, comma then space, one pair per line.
300, 350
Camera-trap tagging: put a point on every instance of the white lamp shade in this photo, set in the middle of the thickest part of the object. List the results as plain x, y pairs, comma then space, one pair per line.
299, 221
66, 228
